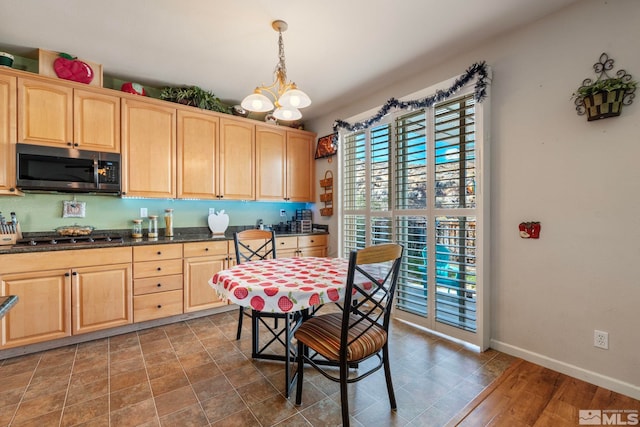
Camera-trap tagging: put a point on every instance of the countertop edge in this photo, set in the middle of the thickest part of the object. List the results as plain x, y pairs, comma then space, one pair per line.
129, 241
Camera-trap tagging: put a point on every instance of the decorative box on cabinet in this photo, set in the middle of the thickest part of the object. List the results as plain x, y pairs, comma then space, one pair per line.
157, 284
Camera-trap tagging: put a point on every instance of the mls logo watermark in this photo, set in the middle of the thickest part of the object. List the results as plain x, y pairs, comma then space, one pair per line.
608, 417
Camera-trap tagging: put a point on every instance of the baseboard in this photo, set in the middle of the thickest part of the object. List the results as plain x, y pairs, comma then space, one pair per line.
600, 380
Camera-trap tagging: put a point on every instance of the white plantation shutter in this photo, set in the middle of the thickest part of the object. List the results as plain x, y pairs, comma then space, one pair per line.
412, 179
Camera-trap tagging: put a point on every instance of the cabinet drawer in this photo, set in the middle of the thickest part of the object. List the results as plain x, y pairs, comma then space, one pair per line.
157, 268
309, 241
157, 284
155, 306
155, 252
286, 243
205, 249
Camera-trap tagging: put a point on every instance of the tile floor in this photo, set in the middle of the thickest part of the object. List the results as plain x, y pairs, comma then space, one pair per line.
194, 373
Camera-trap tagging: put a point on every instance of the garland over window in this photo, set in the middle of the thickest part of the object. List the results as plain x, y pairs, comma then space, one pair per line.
480, 93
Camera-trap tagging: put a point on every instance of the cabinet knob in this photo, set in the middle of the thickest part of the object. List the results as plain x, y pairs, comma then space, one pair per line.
159, 253
75, 273
69, 144
159, 284
75, 144
159, 268
159, 306
312, 241
66, 275
206, 249
12, 189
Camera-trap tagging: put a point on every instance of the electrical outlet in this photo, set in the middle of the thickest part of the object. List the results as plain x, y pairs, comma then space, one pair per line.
143, 212
601, 339
212, 211
283, 212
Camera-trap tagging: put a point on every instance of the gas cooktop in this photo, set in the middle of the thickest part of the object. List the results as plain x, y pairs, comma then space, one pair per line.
96, 239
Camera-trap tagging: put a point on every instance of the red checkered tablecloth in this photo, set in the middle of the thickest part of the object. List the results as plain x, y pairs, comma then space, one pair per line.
282, 285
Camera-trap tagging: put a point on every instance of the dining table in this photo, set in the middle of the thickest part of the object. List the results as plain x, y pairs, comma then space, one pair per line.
295, 287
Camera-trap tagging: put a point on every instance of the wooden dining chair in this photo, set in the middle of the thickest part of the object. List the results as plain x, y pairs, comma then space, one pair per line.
360, 331
252, 245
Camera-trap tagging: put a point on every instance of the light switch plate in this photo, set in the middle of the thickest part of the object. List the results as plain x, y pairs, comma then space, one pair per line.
143, 212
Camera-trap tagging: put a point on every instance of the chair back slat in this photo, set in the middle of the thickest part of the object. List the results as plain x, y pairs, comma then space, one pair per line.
246, 253
371, 282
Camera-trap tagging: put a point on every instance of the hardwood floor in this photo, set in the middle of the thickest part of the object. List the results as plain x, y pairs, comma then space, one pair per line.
531, 395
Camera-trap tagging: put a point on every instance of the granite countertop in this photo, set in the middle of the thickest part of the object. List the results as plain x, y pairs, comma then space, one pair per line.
6, 303
181, 235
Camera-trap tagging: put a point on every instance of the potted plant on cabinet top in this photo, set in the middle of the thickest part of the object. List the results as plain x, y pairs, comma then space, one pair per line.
604, 97
195, 97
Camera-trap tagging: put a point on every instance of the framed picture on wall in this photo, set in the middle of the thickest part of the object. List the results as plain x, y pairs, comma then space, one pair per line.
325, 147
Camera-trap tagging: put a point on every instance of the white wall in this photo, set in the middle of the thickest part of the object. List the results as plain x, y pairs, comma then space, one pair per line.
580, 179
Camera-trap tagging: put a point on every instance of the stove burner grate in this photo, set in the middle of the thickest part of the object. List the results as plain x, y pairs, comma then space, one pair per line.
70, 240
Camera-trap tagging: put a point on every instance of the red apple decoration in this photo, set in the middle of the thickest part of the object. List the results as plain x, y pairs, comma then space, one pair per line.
134, 88
70, 68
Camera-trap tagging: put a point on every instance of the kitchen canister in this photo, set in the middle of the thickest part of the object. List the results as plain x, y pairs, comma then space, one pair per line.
168, 222
136, 230
6, 59
153, 227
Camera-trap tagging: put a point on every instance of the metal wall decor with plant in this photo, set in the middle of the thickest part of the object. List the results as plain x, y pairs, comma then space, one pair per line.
605, 96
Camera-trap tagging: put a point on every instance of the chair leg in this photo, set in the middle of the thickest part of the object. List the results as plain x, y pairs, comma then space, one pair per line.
387, 376
239, 333
344, 395
301, 351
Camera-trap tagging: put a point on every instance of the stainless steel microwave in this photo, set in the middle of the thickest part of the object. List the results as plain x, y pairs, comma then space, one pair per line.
67, 169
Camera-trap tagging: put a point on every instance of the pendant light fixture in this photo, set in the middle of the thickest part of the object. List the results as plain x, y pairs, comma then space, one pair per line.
287, 98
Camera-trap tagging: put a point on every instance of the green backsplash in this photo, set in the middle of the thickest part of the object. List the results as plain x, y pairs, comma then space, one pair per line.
43, 212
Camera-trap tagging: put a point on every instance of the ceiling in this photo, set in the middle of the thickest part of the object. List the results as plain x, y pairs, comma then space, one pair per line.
335, 49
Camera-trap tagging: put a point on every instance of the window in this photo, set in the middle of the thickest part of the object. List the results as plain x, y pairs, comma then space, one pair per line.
413, 179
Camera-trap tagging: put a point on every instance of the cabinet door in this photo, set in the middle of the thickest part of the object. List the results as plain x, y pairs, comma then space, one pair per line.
96, 121
198, 294
43, 310
237, 160
271, 158
300, 167
148, 149
7, 135
101, 298
45, 113
197, 155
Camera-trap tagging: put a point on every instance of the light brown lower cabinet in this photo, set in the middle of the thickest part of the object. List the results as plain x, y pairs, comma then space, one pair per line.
65, 293
293, 246
101, 297
201, 261
74, 292
157, 284
43, 311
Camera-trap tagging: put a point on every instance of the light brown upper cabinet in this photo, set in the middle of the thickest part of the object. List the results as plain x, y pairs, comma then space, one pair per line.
284, 165
96, 121
8, 135
300, 167
237, 159
148, 149
58, 115
198, 155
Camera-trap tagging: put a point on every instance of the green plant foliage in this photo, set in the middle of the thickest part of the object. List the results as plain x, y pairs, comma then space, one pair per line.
604, 85
195, 97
